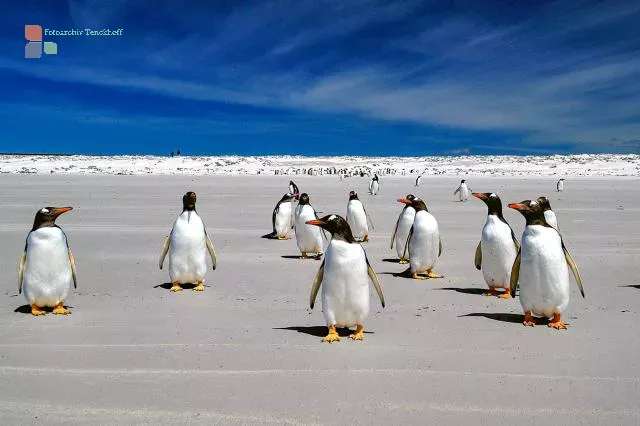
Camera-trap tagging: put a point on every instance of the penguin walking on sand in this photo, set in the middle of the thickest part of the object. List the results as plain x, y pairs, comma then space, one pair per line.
462, 192
418, 179
497, 248
47, 269
560, 185
541, 268
549, 214
187, 246
293, 188
344, 275
283, 216
403, 227
358, 218
310, 239
423, 244
374, 185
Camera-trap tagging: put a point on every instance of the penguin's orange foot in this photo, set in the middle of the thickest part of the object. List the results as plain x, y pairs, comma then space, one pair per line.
176, 287
61, 310
557, 323
304, 256
403, 261
359, 334
433, 275
283, 237
199, 286
415, 276
35, 310
492, 292
528, 320
505, 295
332, 336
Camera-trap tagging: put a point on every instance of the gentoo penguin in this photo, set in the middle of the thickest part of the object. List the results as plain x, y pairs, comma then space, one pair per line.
541, 268
497, 248
549, 215
560, 185
462, 192
187, 243
293, 188
308, 237
47, 269
403, 227
418, 179
423, 244
282, 218
344, 274
374, 185
357, 218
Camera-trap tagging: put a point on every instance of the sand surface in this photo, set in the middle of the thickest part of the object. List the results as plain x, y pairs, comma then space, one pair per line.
248, 350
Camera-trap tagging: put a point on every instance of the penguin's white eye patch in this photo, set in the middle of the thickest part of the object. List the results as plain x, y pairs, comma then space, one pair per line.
493, 195
534, 203
332, 217
44, 210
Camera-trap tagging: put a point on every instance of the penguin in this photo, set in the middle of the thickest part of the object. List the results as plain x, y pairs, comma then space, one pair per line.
374, 185
293, 188
497, 248
282, 218
357, 218
403, 227
463, 191
423, 244
308, 237
560, 185
186, 246
344, 275
542, 268
418, 179
549, 215
47, 269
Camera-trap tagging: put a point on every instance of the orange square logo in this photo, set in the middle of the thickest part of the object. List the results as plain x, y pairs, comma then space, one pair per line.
33, 32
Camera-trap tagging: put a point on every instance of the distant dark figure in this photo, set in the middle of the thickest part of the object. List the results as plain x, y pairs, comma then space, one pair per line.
172, 153
178, 153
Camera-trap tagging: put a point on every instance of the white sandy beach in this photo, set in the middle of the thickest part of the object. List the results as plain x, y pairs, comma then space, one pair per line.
248, 350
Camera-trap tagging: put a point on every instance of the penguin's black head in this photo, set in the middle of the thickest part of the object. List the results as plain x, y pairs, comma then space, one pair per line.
407, 200
336, 225
304, 199
189, 201
47, 216
493, 202
544, 203
462, 181
532, 212
353, 195
415, 202
289, 197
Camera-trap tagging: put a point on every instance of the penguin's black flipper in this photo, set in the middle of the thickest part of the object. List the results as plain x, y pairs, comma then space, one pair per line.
374, 280
23, 261
478, 258
406, 245
165, 249
395, 230
439, 245
574, 268
515, 274
316, 285
212, 251
73, 268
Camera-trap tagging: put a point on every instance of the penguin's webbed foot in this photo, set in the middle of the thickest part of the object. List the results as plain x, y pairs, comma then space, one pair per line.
557, 323
332, 336
36, 311
199, 286
506, 294
365, 239
176, 287
283, 237
492, 292
359, 333
528, 320
431, 274
416, 276
304, 255
61, 310
403, 261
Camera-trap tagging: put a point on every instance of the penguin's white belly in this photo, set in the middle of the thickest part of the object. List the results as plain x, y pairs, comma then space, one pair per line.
374, 187
544, 274
47, 278
464, 193
404, 227
357, 219
283, 219
498, 252
308, 237
424, 245
345, 286
187, 253
560, 186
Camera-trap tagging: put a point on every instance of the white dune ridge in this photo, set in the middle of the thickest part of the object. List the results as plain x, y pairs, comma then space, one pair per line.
554, 165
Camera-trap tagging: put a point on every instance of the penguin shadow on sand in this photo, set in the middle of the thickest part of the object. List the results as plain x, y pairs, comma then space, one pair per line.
475, 291
167, 286
391, 260
636, 286
299, 257
26, 309
319, 330
507, 317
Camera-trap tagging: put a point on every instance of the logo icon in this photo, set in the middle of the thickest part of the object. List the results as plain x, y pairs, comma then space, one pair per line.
35, 45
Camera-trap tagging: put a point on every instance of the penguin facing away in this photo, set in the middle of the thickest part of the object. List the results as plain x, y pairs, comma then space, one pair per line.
549, 214
403, 227
47, 268
187, 246
462, 191
293, 188
560, 185
283, 216
423, 244
308, 237
497, 248
541, 268
344, 275
358, 218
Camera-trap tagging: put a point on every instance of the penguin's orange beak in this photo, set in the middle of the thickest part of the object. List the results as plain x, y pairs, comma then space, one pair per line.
517, 206
479, 195
59, 210
404, 201
316, 222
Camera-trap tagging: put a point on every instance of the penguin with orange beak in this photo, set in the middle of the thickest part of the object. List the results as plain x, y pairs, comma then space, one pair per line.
403, 227
423, 244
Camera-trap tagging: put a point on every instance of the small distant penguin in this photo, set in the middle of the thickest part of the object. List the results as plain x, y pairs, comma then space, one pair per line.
308, 237
418, 179
549, 214
497, 248
47, 268
423, 244
542, 268
463, 191
293, 188
344, 275
560, 185
403, 227
282, 218
374, 185
357, 218
187, 245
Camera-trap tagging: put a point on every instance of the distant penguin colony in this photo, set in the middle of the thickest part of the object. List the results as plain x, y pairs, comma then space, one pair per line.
539, 264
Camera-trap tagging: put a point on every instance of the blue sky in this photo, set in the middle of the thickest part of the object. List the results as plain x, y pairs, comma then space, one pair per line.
353, 77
